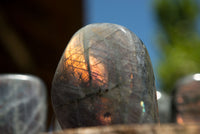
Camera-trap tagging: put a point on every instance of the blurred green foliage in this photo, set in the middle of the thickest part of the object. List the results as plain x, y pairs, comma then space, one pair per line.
178, 39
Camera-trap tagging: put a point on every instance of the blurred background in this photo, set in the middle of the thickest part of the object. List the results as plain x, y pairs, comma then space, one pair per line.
34, 34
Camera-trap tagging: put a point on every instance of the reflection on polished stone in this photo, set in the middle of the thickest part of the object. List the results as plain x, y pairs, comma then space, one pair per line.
104, 77
22, 104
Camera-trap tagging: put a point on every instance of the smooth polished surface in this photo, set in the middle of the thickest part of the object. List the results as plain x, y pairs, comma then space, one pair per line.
22, 104
104, 77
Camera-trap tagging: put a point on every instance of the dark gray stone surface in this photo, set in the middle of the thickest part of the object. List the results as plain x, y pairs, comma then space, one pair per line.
104, 77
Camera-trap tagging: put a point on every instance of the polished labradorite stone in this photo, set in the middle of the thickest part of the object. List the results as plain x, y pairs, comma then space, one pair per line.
104, 77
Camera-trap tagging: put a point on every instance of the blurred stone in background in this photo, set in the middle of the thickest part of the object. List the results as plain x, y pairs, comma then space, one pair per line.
187, 99
164, 107
22, 104
34, 34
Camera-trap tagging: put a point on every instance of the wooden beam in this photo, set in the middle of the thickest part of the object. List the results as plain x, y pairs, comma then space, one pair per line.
135, 129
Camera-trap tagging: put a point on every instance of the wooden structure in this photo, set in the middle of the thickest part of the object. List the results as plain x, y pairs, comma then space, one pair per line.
135, 129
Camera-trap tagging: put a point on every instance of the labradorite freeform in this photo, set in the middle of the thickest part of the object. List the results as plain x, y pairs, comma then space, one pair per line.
104, 77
